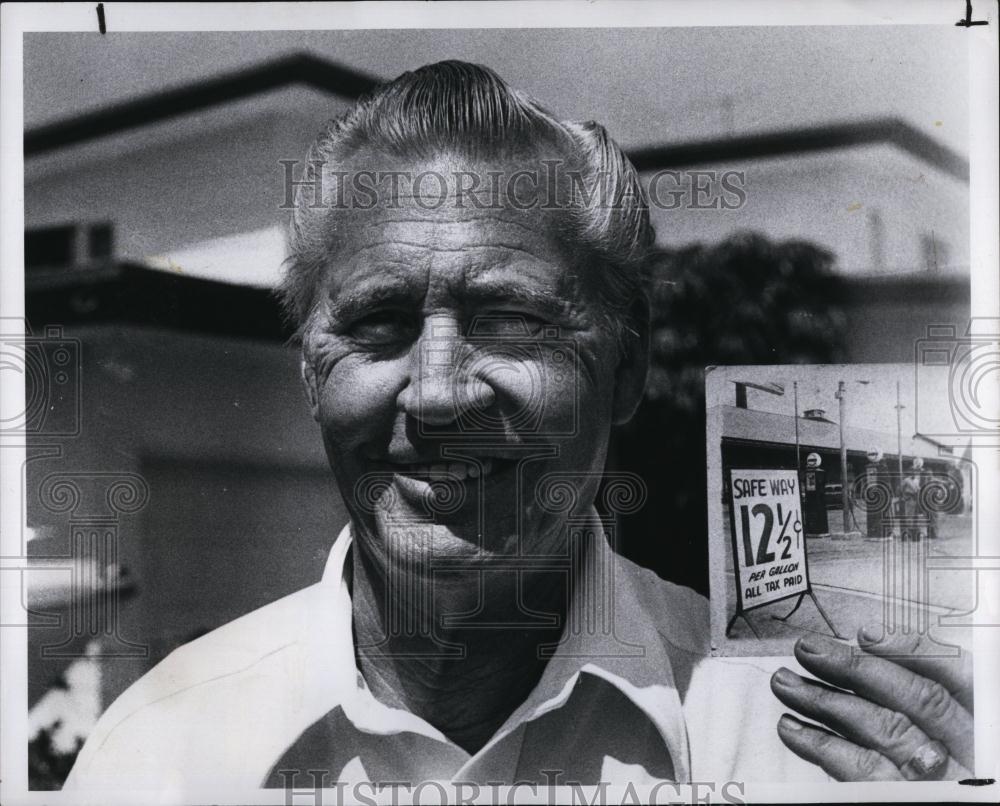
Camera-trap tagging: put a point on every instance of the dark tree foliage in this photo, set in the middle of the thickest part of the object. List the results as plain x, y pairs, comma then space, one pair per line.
747, 300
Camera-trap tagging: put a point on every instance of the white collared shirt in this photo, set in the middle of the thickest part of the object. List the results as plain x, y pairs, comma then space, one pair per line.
630, 695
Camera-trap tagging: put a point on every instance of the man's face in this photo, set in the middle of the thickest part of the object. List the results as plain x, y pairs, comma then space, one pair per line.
456, 363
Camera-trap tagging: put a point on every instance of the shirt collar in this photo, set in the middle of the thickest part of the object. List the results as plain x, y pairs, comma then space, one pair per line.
610, 633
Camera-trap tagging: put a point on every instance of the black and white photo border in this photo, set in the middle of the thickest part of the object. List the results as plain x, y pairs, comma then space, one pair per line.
19, 19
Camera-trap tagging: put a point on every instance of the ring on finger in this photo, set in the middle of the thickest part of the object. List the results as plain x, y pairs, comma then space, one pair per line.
926, 763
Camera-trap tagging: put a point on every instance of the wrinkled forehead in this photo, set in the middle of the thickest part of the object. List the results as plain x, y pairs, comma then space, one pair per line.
449, 221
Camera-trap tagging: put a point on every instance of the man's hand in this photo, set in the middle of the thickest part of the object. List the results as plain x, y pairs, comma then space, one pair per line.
897, 712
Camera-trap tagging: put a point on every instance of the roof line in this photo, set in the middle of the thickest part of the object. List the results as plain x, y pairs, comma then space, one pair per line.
892, 130
296, 68
328, 76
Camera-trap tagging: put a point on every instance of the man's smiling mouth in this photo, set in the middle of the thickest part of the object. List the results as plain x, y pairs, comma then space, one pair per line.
452, 469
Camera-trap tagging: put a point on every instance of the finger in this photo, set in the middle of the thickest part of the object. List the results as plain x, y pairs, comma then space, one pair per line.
890, 733
925, 701
921, 655
839, 758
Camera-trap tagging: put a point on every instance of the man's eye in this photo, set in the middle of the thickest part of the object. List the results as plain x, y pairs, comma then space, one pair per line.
384, 327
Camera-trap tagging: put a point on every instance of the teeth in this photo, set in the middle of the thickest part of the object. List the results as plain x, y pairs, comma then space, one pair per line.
461, 471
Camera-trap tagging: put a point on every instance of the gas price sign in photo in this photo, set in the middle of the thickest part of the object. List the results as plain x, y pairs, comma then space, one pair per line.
769, 555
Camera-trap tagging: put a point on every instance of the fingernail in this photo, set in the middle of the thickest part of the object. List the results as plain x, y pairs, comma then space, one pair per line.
786, 677
814, 645
788, 723
869, 635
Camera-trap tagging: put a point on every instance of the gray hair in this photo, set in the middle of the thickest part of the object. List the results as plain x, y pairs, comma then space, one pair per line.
464, 109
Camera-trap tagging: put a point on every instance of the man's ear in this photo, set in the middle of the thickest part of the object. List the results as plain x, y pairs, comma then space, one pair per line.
310, 385
633, 363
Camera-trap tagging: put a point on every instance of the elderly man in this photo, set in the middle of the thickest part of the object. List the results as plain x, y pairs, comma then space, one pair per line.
468, 276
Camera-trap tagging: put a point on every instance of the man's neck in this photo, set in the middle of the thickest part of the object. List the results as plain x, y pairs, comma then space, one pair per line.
464, 678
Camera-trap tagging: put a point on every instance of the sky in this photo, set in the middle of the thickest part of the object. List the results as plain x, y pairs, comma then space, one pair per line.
648, 85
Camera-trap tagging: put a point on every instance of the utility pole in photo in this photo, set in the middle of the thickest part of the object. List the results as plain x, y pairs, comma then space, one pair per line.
798, 448
898, 486
845, 499
899, 432
844, 502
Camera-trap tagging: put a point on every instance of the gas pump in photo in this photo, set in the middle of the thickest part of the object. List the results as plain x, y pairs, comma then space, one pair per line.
878, 495
814, 497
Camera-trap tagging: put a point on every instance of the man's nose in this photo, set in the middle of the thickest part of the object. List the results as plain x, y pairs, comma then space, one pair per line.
444, 384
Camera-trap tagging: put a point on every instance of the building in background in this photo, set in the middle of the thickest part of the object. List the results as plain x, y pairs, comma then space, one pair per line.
764, 439
190, 400
757, 427
178, 164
